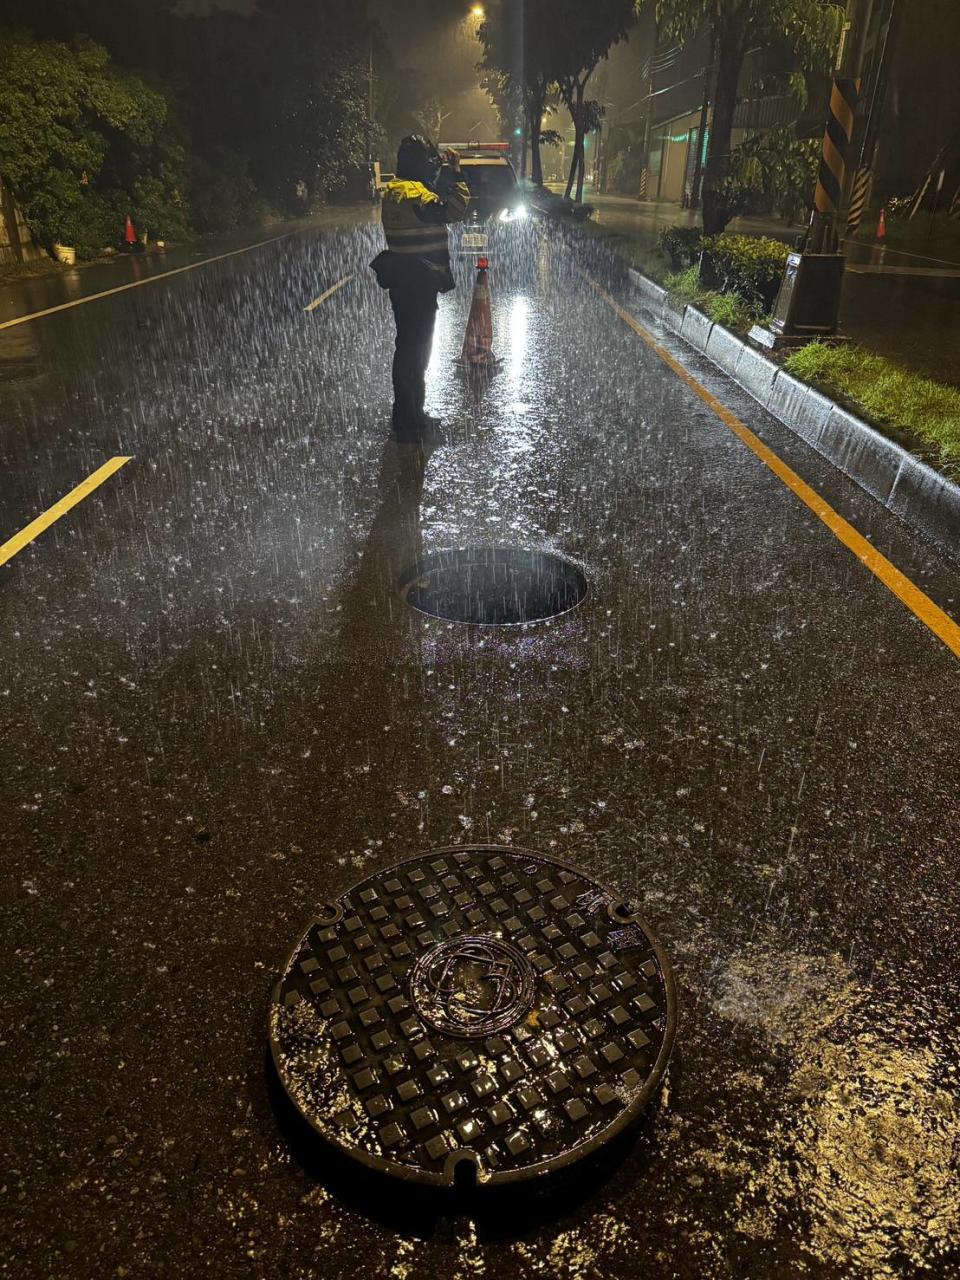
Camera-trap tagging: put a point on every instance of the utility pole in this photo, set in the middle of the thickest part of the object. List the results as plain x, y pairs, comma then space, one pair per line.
860, 191
370, 103
808, 304
644, 193
704, 112
822, 234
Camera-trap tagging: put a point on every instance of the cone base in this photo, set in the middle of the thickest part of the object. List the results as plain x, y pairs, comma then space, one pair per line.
486, 362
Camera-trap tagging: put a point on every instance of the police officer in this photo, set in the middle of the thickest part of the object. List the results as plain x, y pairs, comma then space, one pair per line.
428, 193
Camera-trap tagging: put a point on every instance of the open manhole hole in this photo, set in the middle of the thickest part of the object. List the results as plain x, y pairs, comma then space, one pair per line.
493, 586
473, 1015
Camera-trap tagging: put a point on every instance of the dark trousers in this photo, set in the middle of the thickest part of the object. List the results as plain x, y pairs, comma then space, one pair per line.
415, 311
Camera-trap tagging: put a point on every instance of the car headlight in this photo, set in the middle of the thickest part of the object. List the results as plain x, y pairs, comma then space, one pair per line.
516, 214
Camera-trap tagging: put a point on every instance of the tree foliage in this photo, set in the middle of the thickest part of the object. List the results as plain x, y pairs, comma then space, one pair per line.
809, 29
83, 143
307, 124
773, 172
233, 109
546, 46
515, 68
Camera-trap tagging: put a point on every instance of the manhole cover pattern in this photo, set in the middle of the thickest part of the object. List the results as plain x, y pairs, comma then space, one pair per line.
481, 1005
494, 586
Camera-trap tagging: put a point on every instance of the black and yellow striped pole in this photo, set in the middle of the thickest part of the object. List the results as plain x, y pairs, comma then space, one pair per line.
858, 198
833, 164
808, 303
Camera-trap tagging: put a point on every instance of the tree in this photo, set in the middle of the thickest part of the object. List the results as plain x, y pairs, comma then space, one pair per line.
587, 116
430, 116
809, 27
515, 70
542, 44
82, 143
583, 33
304, 121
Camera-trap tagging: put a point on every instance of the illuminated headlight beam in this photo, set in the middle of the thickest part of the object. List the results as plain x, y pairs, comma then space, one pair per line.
514, 215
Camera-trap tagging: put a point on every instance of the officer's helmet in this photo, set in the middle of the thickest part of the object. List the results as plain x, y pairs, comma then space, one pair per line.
418, 160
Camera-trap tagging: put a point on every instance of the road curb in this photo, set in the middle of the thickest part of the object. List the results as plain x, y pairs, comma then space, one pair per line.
912, 490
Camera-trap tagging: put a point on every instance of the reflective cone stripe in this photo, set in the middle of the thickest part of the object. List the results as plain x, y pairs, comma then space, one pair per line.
836, 142
858, 199
478, 340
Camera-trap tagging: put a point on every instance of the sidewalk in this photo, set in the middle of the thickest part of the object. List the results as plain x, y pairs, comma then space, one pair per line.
906, 308
648, 217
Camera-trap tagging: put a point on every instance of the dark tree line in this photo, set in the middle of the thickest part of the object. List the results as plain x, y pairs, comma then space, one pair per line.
242, 111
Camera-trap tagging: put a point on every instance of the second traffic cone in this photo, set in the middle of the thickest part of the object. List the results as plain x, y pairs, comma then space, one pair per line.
882, 224
477, 352
130, 232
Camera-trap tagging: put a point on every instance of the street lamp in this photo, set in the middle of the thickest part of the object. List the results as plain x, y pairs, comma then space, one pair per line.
478, 12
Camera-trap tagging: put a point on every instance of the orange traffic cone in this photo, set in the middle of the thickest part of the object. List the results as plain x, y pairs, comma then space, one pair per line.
882, 224
130, 233
477, 350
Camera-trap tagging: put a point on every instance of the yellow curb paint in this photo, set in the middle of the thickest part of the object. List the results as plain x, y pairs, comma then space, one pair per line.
83, 490
919, 604
135, 284
328, 293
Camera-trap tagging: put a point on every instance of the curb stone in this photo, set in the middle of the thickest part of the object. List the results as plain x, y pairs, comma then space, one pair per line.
920, 496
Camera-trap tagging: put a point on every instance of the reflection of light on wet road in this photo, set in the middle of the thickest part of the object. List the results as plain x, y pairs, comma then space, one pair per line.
443, 337
515, 429
517, 339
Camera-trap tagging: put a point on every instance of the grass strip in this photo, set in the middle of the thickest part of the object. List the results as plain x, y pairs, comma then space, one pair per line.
889, 395
921, 414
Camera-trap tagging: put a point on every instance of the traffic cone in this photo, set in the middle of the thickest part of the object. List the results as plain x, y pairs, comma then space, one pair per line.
878, 251
477, 352
130, 233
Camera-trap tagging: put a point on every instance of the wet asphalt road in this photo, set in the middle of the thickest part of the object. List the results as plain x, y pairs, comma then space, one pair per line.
216, 713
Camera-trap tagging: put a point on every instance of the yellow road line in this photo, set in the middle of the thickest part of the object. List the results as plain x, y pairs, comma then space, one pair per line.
920, 604
83, 490
135, 284
328, 293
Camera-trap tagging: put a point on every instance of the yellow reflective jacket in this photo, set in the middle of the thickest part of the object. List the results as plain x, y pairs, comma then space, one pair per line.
415, 224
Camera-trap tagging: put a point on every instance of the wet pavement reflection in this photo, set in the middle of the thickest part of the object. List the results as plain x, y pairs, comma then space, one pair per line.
217, 712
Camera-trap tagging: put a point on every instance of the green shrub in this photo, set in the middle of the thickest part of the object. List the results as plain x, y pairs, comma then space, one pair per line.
888, 394
221, 193
681, 245
751, 266
773, 172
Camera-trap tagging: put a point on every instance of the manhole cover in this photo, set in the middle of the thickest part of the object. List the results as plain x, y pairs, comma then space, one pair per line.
474, 1014
493, 586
